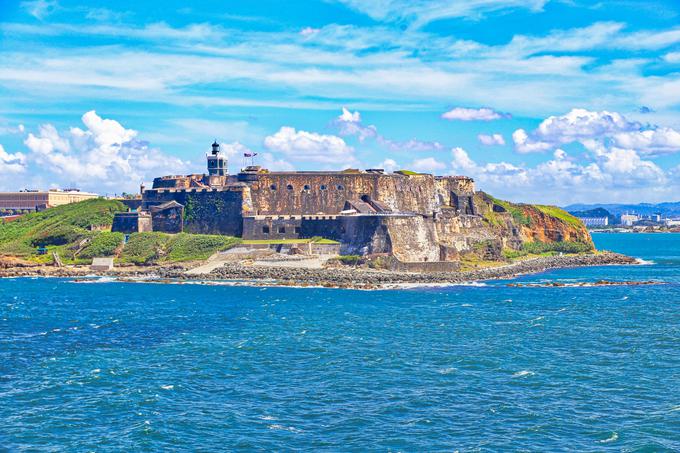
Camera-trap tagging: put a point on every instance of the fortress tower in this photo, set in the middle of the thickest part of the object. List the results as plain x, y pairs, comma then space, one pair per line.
217, 162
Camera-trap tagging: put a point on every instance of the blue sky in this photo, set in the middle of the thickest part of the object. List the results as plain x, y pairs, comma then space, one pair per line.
539, 100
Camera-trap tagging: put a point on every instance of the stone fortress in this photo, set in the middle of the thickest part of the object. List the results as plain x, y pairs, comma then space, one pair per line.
415, 218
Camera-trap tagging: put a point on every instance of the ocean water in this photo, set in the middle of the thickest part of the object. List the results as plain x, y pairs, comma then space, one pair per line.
110, 366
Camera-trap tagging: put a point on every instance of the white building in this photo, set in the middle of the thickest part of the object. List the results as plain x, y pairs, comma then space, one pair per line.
629, 219
594, 221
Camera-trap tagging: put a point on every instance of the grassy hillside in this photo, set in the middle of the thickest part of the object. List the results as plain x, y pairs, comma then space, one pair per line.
64, 230
153, 247
60, 226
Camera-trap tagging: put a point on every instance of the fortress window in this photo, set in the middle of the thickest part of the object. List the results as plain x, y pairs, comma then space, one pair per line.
282, 230
323, 187
273, 187
306, 187
289, 187
297, 230
265, 229
340, 187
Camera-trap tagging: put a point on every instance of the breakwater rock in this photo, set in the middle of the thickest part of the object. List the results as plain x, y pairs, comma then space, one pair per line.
367, 279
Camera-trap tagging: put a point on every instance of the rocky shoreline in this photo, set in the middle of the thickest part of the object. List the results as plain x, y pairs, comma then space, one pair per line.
345, 277
370, 279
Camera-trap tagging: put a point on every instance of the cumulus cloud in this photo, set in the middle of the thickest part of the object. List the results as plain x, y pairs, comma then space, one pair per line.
577, 125
11, 163
491, 140
234, 149
613, 174
389, 165
271, 162
595, 129
104, 155
303, 146
349, 123
663, 140
235, 152
481, 114
427, 165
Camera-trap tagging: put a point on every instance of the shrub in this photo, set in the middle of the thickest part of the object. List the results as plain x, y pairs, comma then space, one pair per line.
537, 248
103, 244
144, 248
59, 235
349, 259
188, 247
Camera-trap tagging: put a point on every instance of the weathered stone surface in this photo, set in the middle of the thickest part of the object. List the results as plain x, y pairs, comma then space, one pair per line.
415, 218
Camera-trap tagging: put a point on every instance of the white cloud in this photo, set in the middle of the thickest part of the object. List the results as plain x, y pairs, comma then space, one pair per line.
349, 123
427, 165
481, 114
422, 12
663, 140
309, 31
611, 175
40, 9
491, 140
11, 163
383, 65
389, 165
349, 117
271, 162
105, 155
235, 152
595, 128
303, 146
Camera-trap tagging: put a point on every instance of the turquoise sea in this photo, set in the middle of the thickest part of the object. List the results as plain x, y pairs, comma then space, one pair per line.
111, 366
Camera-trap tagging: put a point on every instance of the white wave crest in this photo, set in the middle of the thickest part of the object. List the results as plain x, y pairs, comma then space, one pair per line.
523, 373
614, 437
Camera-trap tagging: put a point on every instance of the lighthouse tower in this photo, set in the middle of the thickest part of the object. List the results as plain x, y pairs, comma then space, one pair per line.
217, 162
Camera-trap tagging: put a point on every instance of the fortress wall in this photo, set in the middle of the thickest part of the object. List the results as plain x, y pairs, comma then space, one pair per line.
131, 222
364, 235
327, 192
413, 238
206, 211
285, 227
461, 232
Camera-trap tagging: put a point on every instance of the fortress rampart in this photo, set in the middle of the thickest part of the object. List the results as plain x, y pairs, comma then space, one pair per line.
412, 217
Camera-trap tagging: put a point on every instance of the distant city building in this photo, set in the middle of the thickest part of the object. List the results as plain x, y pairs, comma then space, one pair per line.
629, 219
656, 218
34, 200
672, 222
595, 221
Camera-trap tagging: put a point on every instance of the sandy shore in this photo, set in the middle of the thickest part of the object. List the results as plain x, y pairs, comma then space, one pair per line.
333, 277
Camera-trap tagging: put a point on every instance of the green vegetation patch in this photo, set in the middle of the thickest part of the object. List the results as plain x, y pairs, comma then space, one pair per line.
188, 247
349, 259
57, 226
407, 172
538, 248
561, 214
144, 248
152, 247
517, 211
104, 243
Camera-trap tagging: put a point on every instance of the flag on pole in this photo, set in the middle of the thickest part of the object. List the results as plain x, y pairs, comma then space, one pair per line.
249, 154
